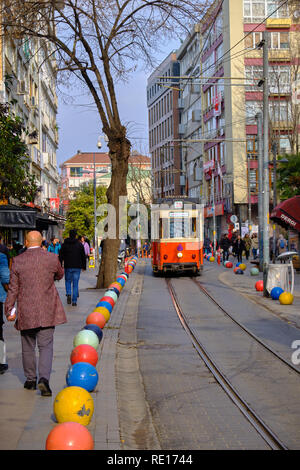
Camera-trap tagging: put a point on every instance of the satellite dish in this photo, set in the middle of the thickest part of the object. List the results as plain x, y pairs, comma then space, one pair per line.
296, 14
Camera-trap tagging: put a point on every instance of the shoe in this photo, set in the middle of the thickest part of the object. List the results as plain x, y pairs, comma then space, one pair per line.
30, 384
3, 368
74, 304
68, 299
43, 386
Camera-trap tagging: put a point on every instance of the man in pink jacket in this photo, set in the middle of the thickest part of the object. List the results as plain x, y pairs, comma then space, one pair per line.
39, 308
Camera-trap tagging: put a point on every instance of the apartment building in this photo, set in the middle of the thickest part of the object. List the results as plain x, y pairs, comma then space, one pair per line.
190, 113
79, 170
28, 82
163, 114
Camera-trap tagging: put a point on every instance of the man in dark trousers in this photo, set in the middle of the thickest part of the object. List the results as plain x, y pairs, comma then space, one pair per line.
39, 308
72, 256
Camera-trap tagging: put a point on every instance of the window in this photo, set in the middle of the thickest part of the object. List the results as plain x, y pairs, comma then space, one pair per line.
76, 171
253, 180
278, 111
252, 72
279, 79
256, 11
278, 40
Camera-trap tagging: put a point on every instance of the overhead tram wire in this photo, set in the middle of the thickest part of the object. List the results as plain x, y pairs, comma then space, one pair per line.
237, 54
248, 34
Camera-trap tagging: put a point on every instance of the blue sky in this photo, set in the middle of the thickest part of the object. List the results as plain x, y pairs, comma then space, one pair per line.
79, 126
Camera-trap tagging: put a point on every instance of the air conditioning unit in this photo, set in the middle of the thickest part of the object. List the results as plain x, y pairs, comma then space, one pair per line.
21, 89
180, 103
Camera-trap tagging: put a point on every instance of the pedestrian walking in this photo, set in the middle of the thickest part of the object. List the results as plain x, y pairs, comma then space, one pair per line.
248, 244
238, 248
73, 257
4, 280
207, 245
39, 308
86, 247
254, 244
54, 246
225, 245
281, 245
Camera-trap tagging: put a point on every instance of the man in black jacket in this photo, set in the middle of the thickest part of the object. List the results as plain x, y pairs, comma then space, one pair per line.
73, 258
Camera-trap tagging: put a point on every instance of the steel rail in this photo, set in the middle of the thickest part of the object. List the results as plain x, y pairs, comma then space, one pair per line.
244, 328
260, 426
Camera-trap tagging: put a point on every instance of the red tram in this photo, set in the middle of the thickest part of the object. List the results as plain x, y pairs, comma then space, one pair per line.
177, 235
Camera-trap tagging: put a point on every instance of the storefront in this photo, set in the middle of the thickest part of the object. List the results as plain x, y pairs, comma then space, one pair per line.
15, 221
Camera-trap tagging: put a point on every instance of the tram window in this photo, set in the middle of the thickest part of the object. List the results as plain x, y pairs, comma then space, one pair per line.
163, 228
179, 227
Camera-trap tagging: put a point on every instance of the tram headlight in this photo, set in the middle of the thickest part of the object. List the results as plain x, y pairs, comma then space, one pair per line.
165, 256
180, 255
193, 256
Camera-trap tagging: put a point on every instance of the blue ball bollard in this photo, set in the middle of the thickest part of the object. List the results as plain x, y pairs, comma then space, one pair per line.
276, 292
82, 374
121, 281
239, 271
95, 329
105, 304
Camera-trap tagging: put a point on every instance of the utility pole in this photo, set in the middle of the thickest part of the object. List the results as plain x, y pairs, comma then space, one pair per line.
266, 196
258, 118
274, 151
213, 211
249, 197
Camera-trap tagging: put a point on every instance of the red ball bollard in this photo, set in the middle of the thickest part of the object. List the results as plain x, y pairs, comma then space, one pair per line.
69, 436
108, 299
84, 353
259, 286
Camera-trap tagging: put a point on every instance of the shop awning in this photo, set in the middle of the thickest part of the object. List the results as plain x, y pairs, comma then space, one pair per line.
26, 218
16, 217
287, 213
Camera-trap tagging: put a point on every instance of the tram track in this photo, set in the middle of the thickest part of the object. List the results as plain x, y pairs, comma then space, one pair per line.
257, 422
244, 328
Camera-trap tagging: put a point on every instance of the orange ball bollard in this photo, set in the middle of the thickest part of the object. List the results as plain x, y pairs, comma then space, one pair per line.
69, 436
104, 311
96, 318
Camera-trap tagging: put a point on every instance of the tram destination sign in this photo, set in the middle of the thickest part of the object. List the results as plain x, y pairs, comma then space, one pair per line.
179, 215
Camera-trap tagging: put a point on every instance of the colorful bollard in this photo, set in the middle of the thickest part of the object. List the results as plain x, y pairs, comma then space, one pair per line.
108, 299
259, 286
276, 292
73, 404
86, 337
254, 272
242, 266
96, 329
286, 298
105, 304
121, 281
112, 294
104, 311
115, 290
84, 353
69, 436
239, 271
82, 374
228, 264
96, 318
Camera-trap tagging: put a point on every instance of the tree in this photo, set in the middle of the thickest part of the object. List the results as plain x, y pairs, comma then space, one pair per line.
80, 214
100, 42
15, 179
289, 176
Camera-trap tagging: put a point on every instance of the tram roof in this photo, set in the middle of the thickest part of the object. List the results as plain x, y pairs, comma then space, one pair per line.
171, 199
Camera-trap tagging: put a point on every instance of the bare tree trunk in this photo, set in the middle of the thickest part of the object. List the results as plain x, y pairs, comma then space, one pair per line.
119, 154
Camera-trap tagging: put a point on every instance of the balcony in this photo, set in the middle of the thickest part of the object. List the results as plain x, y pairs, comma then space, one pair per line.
284, 23
279, 55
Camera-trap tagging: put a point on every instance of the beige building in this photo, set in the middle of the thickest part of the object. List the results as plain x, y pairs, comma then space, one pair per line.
28, 82
79, 170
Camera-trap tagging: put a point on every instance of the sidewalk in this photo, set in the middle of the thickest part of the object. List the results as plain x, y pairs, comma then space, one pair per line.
245, 284
26, 418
